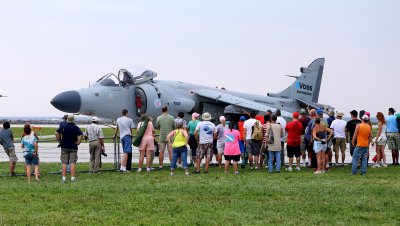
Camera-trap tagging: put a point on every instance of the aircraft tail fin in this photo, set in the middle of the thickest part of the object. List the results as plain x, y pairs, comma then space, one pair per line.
307, 85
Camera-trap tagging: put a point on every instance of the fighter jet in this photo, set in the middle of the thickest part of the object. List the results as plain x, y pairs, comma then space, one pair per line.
139, 92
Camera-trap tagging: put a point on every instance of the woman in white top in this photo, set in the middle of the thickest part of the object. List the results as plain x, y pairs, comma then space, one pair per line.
380, 141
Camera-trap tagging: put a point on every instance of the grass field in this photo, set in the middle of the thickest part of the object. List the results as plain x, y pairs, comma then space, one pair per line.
156, 198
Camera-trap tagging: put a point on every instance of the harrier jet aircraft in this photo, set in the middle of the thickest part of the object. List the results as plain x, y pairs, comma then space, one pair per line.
140, 93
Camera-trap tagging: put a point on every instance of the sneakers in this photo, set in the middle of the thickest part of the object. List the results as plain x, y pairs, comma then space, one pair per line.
237, 173
160, 168
197, 172
289, 169
172, 174
73, 179
317, 172
384, 165
187, 173
64, 179
13, 174
298, 168
376, 166
139, 170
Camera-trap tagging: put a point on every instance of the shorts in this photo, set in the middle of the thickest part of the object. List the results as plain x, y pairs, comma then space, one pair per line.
126, 142
147, 143
11, 154
220, 147
303, 144
205, 150
69, 156
393, 140
235, 158
293, 151
340, 143
382, 142
193, 145
318, 147
162, 145
31, 159
241, 146
253, 147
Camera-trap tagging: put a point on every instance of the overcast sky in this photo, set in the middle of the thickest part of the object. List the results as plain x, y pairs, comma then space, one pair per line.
47, 47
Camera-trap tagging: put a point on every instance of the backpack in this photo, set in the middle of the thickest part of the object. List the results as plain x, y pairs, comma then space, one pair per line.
398, 121
271, 138
256, 133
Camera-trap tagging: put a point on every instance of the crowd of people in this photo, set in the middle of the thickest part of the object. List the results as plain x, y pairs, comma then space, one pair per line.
254, 140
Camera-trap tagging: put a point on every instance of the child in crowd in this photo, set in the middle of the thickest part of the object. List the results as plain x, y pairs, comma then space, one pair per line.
30, 146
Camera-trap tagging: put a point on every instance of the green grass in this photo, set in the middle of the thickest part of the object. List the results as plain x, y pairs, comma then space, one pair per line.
251, 198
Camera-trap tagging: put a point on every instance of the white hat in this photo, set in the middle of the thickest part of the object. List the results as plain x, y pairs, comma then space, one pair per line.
95, 119
339, 114
70, 119
206, 116
365, 118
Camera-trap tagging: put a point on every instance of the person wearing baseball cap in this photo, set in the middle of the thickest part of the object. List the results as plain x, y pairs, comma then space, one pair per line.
393, 137
95, 135
69, 137
361, 140
243, 154
294, 130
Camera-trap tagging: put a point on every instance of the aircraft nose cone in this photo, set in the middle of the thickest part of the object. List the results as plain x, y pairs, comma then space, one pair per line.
69, 101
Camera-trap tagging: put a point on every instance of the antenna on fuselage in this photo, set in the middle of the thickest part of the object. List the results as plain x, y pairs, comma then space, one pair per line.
292, 76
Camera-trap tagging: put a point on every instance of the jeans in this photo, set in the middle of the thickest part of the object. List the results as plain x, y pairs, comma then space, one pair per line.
360, 152
179, 152
271, 156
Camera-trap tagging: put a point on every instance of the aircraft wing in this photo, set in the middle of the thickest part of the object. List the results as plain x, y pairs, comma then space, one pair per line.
238, 101
326, 108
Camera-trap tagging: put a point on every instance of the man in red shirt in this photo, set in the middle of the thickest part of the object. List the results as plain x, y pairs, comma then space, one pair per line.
294, 130
241, 140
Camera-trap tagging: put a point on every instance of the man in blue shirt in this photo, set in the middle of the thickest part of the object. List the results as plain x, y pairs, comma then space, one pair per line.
7, 140
70, 136
393, 137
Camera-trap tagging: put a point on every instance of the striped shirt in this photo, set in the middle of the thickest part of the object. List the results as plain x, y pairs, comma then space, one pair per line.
94, 132
264, 131
165, 123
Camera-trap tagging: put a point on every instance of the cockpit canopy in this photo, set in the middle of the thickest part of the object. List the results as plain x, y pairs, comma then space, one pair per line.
126, 78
